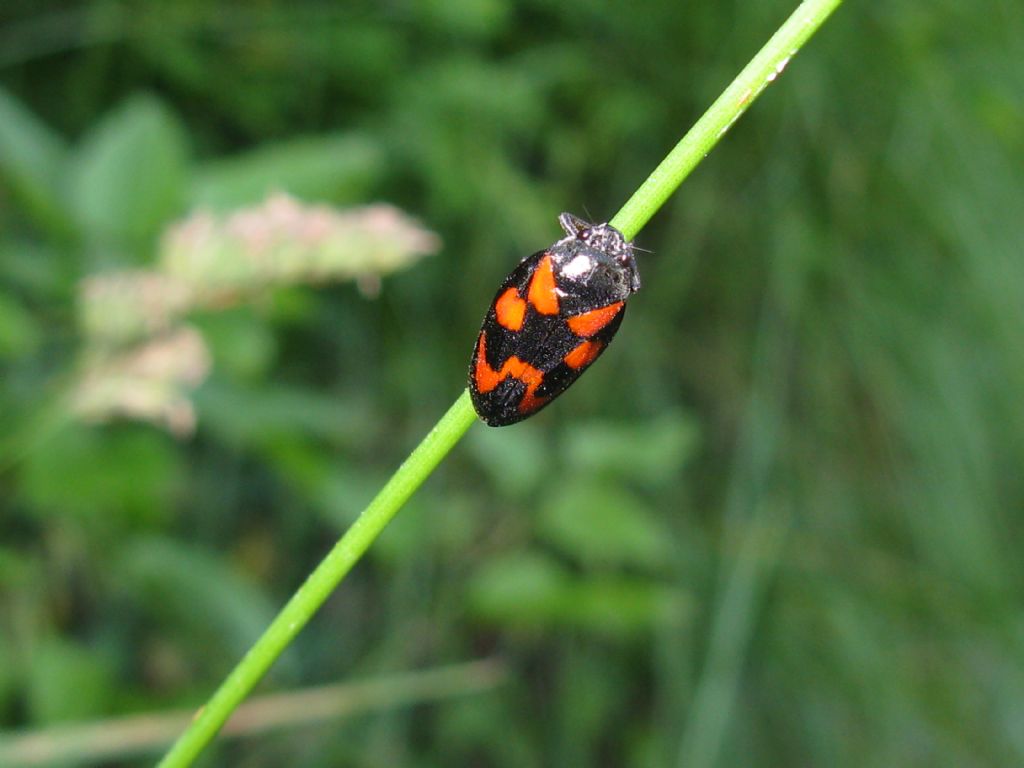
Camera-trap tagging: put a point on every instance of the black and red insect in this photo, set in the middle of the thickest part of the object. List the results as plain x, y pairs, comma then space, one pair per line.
551, 318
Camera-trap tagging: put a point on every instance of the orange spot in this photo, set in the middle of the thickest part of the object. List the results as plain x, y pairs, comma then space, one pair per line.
486, 378
530, 401
542, 292
583, 354
510, 309
593, 321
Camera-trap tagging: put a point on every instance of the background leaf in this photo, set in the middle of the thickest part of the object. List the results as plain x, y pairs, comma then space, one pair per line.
32, 160
340, 168
129, 174
68, 681
192, 594
602, 524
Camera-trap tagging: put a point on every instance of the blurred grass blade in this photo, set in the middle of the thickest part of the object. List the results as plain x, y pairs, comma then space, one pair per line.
124, 737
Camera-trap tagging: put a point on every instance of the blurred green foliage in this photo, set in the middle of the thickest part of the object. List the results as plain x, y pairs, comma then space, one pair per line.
778, 524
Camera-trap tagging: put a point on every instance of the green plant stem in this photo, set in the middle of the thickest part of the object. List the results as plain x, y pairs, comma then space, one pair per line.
762, 70
755, 77
322, 581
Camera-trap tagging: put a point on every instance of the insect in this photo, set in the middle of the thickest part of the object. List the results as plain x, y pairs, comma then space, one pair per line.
550, 319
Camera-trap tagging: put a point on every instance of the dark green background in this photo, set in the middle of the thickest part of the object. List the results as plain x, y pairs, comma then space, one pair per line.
779, 523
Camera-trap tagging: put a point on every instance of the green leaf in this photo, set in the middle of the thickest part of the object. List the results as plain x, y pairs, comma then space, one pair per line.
622, 605
466, 18
654, 451
20, 334
67, 681
519, 588
338, 168
195, 595
31, 160
240, 340
129, 174
9, 666
516, 460
105, 479
529, 589
258, 416
601, 524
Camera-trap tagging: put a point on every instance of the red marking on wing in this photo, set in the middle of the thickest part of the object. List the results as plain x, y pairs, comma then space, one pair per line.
510, 309
583, 354
589, 323
542, 293
486, 378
